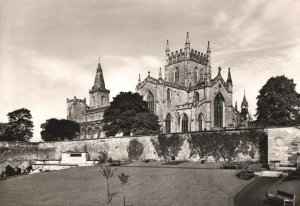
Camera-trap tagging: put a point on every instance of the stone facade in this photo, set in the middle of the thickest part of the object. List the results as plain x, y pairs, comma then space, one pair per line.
90, 116
188, 99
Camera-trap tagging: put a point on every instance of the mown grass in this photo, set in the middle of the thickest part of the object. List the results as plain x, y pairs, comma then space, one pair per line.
146, 186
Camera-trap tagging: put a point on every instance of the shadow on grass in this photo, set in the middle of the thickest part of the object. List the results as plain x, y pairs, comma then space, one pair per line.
173, 163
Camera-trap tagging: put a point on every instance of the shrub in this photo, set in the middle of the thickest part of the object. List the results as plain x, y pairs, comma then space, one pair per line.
168, 146
103, 157
245, 175
10, 171
294, 175
135, 149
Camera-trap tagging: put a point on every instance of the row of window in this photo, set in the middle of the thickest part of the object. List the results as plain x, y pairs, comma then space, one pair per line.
184, 123
201, 79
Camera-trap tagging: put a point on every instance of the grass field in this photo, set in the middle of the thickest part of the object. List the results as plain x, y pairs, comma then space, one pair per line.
147, 186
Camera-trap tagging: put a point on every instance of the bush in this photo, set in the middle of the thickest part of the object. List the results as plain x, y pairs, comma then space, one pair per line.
135, 149
10, 171
103, 157
245, 175
110, 160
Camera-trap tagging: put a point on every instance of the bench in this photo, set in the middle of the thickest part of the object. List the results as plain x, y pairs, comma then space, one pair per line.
281, 198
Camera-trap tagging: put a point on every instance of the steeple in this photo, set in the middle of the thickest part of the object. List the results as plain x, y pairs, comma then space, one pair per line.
99, 80
187, 42
244, 109
229, 80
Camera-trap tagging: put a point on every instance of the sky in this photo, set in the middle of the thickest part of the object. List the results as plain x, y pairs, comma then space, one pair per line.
49, 50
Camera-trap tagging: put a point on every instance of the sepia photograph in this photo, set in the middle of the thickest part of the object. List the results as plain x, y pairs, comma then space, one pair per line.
149, 103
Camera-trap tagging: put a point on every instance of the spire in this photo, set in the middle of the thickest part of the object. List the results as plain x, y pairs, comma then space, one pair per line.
208, 48
229, 80
187, 41
160, 75
99, 80
139, 78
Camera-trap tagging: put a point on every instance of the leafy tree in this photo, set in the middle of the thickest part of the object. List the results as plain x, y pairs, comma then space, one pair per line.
145, 124
124, 113
56, 130
107, 173
278, 103
19, 126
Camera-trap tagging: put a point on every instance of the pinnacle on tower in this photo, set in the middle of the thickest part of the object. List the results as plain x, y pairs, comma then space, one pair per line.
99, 80
139, 78
236, 105
229, 80
208, 48
160, 75
219, 72
187, 41
167, 47
148, 73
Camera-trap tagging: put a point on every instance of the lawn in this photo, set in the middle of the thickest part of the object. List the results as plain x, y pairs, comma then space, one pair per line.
146, 186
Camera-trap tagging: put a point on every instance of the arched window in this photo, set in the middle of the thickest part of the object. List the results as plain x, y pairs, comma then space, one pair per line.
103, 100
176, 75
196, 96
168, 123
168, 94
150, 101
218, 110
196, 75
201, 75
184, 123
200, 120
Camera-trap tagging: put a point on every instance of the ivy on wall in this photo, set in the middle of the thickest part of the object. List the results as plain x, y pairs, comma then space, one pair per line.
227, 145
167, 146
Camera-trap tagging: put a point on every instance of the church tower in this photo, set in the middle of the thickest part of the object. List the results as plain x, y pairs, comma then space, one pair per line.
99, 95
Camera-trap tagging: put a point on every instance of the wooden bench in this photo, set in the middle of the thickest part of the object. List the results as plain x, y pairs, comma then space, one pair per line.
281, 198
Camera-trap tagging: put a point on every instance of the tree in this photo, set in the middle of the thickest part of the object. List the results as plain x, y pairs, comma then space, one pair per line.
278, 103
19, 126
56, 130
124, 179
108, 173
124, 113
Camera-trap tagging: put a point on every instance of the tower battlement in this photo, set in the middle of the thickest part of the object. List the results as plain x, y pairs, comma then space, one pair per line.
193, 55
76, 100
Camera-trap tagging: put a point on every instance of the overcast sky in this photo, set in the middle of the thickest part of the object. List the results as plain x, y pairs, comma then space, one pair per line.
49, 50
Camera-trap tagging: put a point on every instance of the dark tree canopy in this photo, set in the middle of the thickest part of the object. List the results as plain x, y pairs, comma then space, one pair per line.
56, 130
19, 126
278, 103
124, 113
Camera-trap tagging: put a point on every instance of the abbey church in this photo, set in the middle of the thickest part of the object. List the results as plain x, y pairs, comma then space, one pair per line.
187, 99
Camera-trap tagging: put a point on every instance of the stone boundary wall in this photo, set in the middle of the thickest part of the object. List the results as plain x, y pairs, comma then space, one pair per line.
283, 145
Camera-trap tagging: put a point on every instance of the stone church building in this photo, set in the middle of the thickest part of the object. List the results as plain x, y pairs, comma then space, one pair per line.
188, 98
90, 116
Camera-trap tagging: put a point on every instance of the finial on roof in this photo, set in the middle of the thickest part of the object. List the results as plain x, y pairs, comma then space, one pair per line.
219, 73
148, 73
229, 80
139, 78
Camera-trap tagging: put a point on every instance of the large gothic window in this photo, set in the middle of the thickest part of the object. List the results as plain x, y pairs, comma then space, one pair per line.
150, 101
195, 75
200, 120
168, 94
218, 110
176, 75
184, 123
168, 124
201, 75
